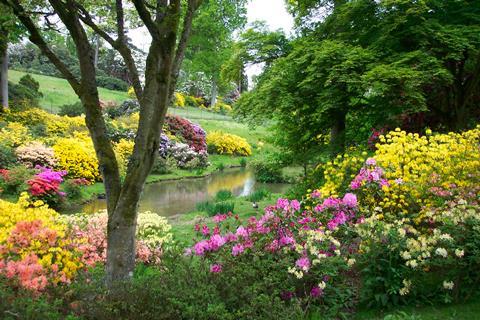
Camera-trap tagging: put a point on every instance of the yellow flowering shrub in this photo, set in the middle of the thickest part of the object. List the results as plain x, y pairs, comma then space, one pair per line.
450, 158
222, 108
179, 100
129, 122
65, 125
77, 156
14, 135
123, 150
421, 170
338, 172
55, 125
33, 236
131, 93
225, 143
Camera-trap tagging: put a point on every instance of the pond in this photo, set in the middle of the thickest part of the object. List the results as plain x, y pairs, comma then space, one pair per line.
168, 198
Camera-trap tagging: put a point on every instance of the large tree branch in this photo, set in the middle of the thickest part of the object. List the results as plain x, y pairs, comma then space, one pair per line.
146, 17
119, 44
120, 21
91, 102
37, 39
193, 6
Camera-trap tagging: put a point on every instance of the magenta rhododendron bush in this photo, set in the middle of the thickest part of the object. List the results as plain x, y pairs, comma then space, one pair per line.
307, 242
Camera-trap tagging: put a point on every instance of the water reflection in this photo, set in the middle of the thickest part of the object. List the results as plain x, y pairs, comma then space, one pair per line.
180, 196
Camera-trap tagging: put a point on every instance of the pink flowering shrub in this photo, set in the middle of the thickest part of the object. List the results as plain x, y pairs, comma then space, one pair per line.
93, 229
301, 247
45, 185
36, 255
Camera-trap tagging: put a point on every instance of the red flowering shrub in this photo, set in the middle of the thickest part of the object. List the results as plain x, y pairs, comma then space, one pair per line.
191, 133
45, 185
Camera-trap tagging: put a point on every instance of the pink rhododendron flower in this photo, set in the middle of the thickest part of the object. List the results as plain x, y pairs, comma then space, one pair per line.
200, 247
316, 292
371, 161
205, 230
237, 249
219, 218
303, 263
216, 268
316, 194
350, 200
286, 240
242, 232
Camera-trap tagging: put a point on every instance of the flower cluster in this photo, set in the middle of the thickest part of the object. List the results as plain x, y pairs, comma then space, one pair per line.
123, 150
224, 143
191, 134
36, 154
77, 156
153, 234
186, 157
306, 240
36, 248
45, 185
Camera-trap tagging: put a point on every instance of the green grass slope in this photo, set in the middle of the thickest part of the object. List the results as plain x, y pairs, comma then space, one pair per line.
57, 91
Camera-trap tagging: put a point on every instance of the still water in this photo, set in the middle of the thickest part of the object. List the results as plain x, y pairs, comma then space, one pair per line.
169, 198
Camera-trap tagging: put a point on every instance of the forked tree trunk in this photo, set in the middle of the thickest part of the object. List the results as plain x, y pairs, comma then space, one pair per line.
4, 75
160, 75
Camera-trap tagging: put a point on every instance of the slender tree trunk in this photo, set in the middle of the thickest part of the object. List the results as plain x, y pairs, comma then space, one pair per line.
4, 75
213, 100
337, 134
97, 48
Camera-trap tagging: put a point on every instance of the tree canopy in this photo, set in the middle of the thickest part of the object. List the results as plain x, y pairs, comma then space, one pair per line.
358, 65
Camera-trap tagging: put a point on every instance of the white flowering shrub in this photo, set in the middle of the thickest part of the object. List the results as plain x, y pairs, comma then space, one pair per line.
36, 153
187, 157
154, 230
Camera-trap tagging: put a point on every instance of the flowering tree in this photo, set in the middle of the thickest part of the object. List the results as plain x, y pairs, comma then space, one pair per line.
169, 40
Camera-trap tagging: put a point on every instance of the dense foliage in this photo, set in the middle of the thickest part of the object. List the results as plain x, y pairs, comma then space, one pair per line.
367, 65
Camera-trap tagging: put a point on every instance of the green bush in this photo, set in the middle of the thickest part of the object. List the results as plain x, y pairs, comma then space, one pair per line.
22, 304
186, 289
213, 209
16, 182
223, 195
71, 110
267, 172
220, 166
32, 84
164, 166
112, 83
259, 195
243, 162
21, 96
7, 157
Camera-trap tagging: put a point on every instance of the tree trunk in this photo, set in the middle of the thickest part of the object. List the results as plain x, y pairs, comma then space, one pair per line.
97, 48
4, 75
213, 100
337, 134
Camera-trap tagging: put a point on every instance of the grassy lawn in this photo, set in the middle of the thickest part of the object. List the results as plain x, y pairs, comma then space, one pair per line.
57, 91
464, 311
196, 113
183, 225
